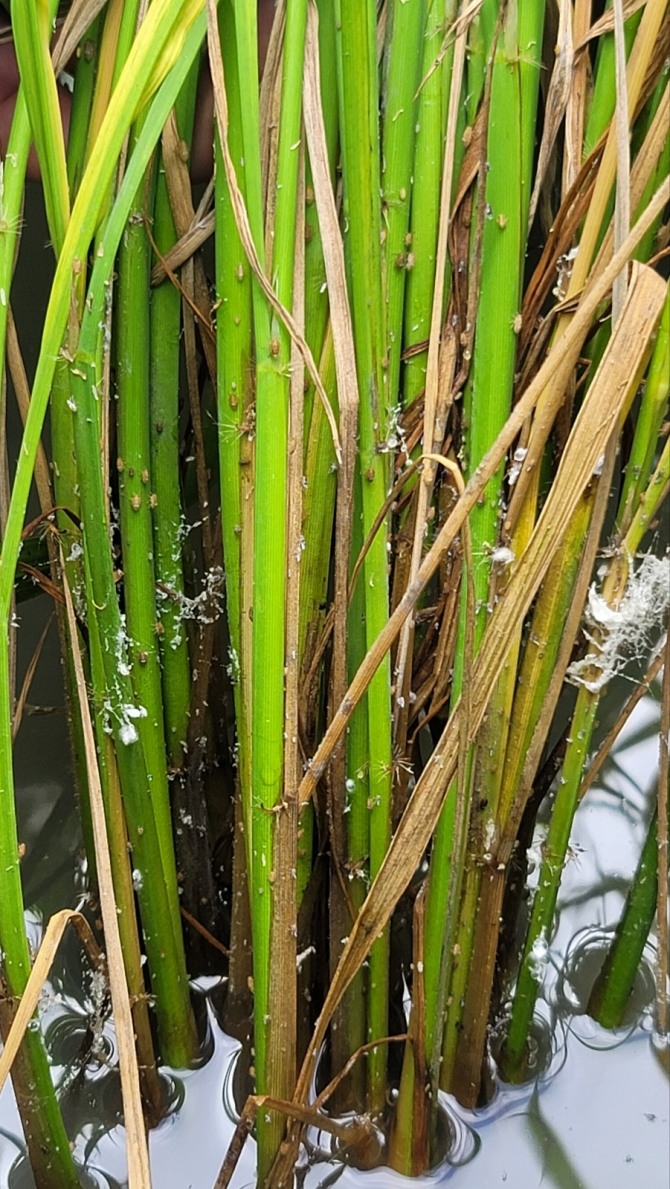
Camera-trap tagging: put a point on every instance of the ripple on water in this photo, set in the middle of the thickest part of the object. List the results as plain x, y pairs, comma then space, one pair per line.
20, 1176
583, 961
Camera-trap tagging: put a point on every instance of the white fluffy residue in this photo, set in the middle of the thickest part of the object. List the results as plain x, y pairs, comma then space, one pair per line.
128, 734
626, 631
207, 606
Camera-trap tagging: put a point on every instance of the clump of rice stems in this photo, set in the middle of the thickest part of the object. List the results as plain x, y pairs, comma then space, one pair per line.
422, 813
476, 1013
404, 411
274, 1020
45, 1134
139, 649
146, 56
149, 833
496, 269
622, 620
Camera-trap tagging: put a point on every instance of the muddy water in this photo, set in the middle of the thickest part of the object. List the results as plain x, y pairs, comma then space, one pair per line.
595, 1117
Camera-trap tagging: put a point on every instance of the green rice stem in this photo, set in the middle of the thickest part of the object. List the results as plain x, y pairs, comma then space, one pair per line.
513, 1058
405, 34
166, 19
124, 894
612, 989
272, 347
32, 28
135, 500
164, 435
235, 407
603, 99
513, 99
425, 207
82, 101
653, 406
359, 107
48, 1144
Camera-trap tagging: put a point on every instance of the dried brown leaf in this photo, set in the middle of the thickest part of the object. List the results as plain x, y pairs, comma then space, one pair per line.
80, 17
193, 238
557, 98
28, 680
622, 194
575, 114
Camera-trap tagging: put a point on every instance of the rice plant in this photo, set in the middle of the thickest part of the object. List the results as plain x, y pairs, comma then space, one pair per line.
356, 457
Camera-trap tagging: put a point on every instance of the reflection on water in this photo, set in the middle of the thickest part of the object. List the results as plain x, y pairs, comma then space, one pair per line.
595, 1116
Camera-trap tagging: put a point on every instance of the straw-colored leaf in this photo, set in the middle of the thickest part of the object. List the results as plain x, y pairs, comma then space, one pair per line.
139, 1176
560, 89
80, 17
